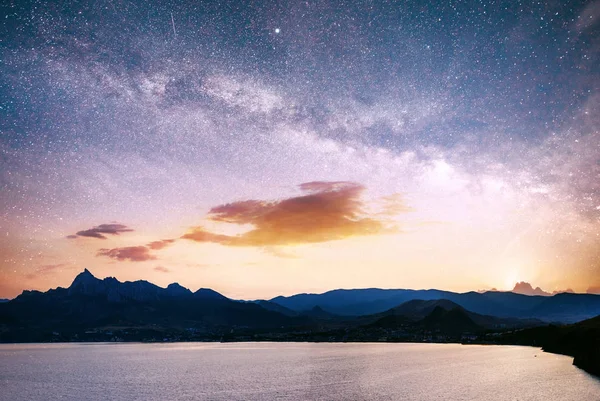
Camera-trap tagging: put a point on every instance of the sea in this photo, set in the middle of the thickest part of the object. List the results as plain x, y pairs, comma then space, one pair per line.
288, 371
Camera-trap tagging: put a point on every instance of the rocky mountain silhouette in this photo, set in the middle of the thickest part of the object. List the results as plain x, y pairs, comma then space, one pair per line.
562, 307
93, 309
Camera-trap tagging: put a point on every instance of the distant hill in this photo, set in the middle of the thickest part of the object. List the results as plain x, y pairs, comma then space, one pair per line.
440, 316
415, 310
418, 309
455, 320
526, 288
564, 307
318, 312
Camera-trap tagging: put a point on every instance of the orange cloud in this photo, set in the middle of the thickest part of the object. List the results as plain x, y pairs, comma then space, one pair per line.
156, 245
331, 211
198, 234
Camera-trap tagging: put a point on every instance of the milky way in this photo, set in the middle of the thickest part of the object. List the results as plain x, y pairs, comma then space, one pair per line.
471, 128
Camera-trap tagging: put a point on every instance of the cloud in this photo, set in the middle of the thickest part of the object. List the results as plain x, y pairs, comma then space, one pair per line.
330, 211
130, 253
161, 269
99, 231
198, 234
525, 288
156, 245
140, 253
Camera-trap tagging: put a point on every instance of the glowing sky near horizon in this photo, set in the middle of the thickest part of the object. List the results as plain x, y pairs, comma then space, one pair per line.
263, 148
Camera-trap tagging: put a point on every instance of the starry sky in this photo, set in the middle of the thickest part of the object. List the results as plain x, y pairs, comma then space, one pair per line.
264, 148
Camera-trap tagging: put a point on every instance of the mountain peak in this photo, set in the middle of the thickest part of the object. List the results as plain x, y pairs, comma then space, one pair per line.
526, 288
85, 283
453, 320
207, 293
318, 312
421, 308
176, 289
84, 276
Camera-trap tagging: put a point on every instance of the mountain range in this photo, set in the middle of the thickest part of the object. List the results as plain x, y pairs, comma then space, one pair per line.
562, 307
90, 303
91, 309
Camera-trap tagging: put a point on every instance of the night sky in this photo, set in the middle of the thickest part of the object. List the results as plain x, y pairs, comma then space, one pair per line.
263, 148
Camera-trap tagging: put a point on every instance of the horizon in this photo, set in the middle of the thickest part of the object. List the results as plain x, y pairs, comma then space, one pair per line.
274, 149
533, 291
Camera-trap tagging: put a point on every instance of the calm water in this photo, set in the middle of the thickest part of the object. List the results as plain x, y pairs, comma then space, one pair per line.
272, 371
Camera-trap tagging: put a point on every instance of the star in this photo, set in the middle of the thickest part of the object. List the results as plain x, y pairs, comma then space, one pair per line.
481, 124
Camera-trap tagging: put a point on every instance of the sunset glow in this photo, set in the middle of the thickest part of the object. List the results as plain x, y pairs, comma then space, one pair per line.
281, 156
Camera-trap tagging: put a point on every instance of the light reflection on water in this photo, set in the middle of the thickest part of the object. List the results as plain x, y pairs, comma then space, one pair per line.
288, 371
